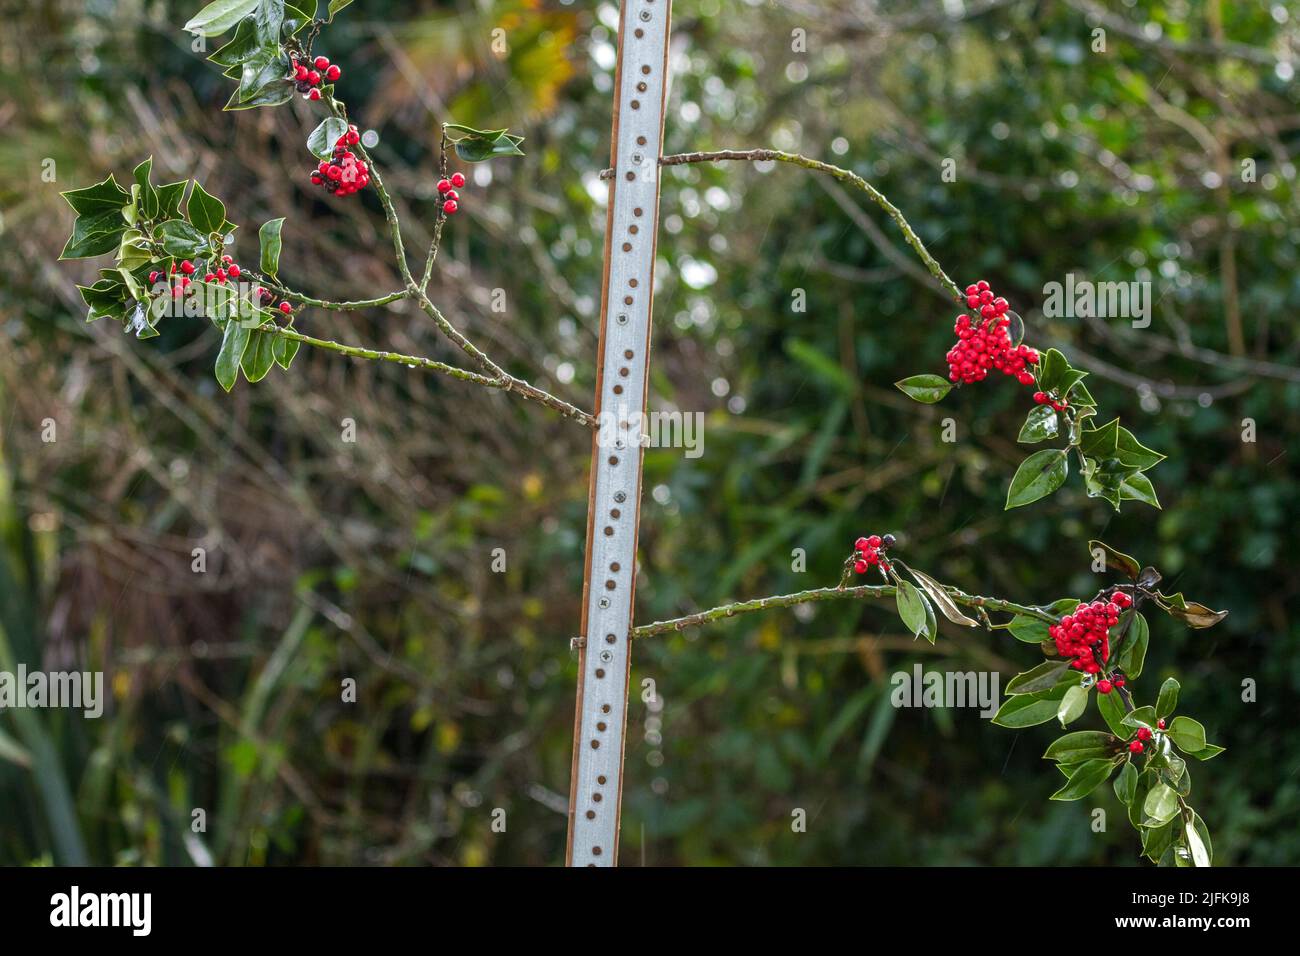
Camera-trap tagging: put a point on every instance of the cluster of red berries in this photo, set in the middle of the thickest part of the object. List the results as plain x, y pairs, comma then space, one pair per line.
182, 278
308, 78
1043, 398
346, 173
985, 342
1085, 637
870, 550
447, 190
1138, 744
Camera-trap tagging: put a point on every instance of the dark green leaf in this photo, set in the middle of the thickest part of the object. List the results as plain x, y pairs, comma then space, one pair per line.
99, 198
233, 343
1197, 837
1040, 424
911, 609
1038, 679
1209, 752
1073, 704
182, 240
1081, 745
219, 16
1090, 775
1160, 805
1138, 487
169, 199
285, 350
1028, 629
259, 357
1100, 442
1134, 454
1038, 476
323, 138
1140, 717
1053, 368
1026, 710
924, 388
206, 212
1157, 840
1132, 655
1168, 698
1188, 734
95, 235
337, 5
269, 18
1111, 708
241, 48
269, 239
1126, 784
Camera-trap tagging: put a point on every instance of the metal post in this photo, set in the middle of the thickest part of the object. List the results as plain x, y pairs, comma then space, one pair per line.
614, 508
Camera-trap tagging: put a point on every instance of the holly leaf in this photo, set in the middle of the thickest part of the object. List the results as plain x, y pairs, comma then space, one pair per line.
1160, 805
234, 341
1040, 424
1126, 784
1168, 698
335, 6
268, 238
1188, 734
206, 212
285, 350
911, 609
1081, 745
1073, 704
1208, 752
1197, 837
1089, 775
1115, 560
241, 48
476, 145
927, 389
1038, 679
1031, 630
259, 357
323, 138
1111, 708
1027, 710
1140, 717
219, 16
1133, 454
1133, 653
1100, 443
102, 196
1038, 476
182, 240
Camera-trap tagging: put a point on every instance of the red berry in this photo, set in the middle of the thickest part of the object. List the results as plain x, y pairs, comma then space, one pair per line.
860, 567
187, 267
1103, 686
1144, 733
153, 277
313, 95
1136, 747
860, 544
1161, 723
444, 185
233, 271
333, 73
320, 62
1040, 397
300, 73
286, 308
209, 277
450, 207
334, 172
873, 541
457, 180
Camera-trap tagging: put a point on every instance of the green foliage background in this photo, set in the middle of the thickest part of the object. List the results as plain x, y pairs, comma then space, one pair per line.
329, 560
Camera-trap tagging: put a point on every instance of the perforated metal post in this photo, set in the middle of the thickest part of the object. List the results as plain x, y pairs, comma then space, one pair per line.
614, 511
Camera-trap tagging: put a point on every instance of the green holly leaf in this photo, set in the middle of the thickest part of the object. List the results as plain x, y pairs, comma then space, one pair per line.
1160, 805
1197, 837
259, 356
924, 388
1081, 745
1168, 698
233, 343
285, 350
1138, 487
1140, 717
269, 240
1043, 677
206, 212
1111, 708
1073, 704
99, 198
269, 18
241, 48
1133, 454
1040, 424
1100, 443
1133, 652
1027, 710
1089, 775
219, 16
1187, 734
169, 199
95, 235
1031, 630
1038, 476
1126, 784
912, 610
1209, 752
335, 6
323, 138
476, 145
1052, 367
182, 240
